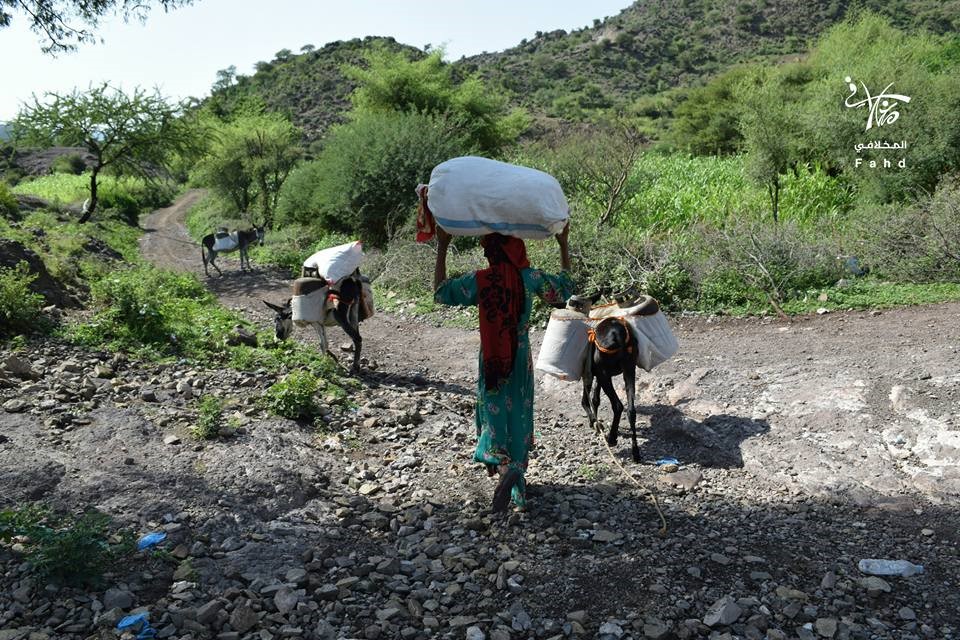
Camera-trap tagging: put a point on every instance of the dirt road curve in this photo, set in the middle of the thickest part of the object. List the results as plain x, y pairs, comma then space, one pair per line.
804, 447
864, 406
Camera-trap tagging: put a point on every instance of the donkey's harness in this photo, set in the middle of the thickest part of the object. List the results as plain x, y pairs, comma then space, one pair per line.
592, 337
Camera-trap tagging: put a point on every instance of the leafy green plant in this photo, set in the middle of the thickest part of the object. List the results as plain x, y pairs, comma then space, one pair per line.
19, 306
61, 548
8, 203
71, 163
293, 397
209, 418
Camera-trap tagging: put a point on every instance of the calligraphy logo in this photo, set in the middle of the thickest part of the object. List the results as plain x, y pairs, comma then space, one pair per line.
881, 109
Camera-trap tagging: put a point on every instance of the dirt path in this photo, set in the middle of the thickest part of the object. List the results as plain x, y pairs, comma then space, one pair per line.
804, 447
862, 406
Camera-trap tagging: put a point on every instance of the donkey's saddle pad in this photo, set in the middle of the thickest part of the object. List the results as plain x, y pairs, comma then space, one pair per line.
224, 241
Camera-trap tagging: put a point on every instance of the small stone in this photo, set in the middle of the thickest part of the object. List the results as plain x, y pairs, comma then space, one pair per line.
724, 611
285, 600
606, 536
577, 616
875, 586
906, 613
208, 612
117, 598
243, 619
171, 439
148, 395
826, 627
368, 488
475, 633
328, 592
822, 310
611, 629
14, 406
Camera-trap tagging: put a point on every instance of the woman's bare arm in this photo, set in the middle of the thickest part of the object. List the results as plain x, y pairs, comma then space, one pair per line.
440, 270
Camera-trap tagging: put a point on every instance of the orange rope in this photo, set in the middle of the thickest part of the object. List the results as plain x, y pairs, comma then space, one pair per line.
592, 337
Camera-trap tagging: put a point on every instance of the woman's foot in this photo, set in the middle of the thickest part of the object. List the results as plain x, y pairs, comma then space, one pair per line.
501, 495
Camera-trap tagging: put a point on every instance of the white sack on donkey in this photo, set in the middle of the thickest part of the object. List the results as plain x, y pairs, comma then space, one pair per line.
471, 196
331, 292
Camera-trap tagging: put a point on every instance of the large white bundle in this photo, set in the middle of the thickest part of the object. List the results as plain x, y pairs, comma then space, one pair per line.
337, 262
471, 196
655, 341
564, 345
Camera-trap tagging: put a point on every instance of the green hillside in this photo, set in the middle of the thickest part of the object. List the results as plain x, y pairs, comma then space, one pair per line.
651, 46
655, 45
307, 87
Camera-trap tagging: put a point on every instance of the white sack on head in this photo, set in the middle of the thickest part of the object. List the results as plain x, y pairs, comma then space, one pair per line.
336, 263
471, 196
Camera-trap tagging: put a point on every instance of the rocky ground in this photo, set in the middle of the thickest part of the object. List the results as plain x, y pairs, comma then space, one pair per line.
803, 447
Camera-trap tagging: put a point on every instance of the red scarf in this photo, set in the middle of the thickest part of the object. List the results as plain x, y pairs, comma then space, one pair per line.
501, 298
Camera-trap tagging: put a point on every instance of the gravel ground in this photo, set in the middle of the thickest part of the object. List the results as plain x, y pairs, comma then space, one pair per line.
803, 448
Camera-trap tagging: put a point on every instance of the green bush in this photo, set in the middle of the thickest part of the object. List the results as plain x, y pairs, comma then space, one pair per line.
60, 548
71, 163
919, 242
9, 208
293, 396
363, 182
209, 418
19, 306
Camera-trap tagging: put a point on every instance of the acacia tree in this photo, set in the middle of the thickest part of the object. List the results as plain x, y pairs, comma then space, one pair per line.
767, 128
249, 161
63, 24
136, 134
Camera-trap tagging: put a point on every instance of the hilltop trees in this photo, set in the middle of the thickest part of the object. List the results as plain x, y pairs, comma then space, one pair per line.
64, 24
137, 134
249, 161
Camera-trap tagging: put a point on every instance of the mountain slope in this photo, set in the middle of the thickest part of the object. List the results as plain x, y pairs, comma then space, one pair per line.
651, 46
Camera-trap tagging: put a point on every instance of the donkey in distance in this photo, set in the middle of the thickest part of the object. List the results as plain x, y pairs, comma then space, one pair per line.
239, 240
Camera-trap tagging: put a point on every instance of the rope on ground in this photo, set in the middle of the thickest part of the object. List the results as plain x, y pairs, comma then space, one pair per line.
647, 490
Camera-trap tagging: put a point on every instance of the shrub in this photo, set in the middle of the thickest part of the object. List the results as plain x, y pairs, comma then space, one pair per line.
293, 396
19, 306
776, 262
62, 548
9, 208
209, 418
71, 163
362, 183
916, 243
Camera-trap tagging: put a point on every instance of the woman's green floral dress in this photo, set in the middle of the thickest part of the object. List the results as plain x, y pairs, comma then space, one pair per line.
505, 415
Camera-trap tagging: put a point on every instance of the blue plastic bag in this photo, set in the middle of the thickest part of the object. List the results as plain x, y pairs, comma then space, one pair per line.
151, 539
138, 620
664, 461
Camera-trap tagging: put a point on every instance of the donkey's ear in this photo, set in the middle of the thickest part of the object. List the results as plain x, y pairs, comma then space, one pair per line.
276, 308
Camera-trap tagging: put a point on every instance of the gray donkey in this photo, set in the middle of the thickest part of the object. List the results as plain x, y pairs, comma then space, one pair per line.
235, 241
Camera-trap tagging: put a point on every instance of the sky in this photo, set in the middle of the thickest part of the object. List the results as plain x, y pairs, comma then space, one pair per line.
181, 51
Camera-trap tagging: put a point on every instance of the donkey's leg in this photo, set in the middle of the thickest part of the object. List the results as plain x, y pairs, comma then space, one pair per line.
203, 254
342, 314
587, 385
213, 261
630, 385
606, 383
243, 257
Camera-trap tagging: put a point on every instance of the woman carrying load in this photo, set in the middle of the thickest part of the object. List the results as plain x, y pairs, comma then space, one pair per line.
504, 293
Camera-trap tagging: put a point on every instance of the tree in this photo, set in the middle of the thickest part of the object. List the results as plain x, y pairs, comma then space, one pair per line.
363, 181
599, 164
135, 134
64, 24
249, 161
767, 129
392, 82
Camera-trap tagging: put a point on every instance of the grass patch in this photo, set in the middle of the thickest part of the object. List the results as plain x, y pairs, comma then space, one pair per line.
124, 196
873, 294
294, 396
19, 306
62, 548
209, 418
